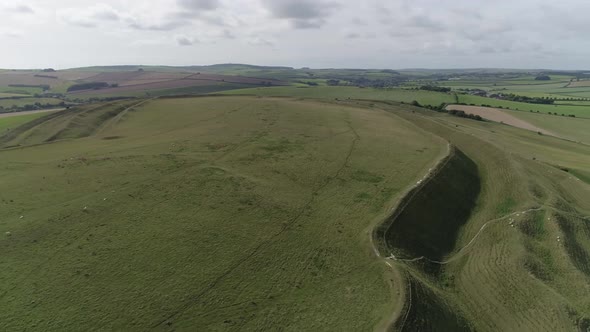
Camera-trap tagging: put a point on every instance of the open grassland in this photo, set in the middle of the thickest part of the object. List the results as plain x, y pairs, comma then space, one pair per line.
9, 95
328, 92
576, 129
20, 90
11, 121
214, 213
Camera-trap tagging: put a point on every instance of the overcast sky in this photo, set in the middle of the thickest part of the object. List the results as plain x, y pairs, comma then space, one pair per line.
314, 33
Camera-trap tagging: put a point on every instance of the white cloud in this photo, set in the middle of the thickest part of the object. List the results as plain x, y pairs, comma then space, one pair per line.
390, 34
89, 17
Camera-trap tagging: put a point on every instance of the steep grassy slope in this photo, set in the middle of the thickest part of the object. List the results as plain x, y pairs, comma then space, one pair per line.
230, 213
520, 262
427, 224
71, 123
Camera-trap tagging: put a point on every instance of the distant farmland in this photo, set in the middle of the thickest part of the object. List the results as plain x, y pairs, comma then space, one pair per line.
133, 82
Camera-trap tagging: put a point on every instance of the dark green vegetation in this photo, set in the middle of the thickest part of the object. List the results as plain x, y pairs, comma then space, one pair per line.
427, 223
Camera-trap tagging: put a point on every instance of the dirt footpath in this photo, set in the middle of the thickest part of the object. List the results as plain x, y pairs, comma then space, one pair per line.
499, 115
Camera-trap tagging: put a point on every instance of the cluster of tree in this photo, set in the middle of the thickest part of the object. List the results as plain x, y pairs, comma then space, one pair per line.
562, 114
543, 78
88, 86
96, 99
310, 83
31, 107
462, 114
47, 76
48, 70
435, 88
443, 109
333, 82
530, 100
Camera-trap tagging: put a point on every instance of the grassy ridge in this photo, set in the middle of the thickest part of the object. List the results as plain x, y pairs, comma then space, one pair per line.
221, 213
489, 281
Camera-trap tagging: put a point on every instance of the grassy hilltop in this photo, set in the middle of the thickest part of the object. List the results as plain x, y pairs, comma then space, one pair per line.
222, 213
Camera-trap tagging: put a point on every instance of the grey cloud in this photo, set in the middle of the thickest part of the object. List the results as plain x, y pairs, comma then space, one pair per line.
11, 34
353, 35
359, 22
228, 34
199, 5
162, 26
487, 50
308, 24
201, 10
21, 9
106, 15
426, 22
184, 41
89, 17
257, 41
303, 14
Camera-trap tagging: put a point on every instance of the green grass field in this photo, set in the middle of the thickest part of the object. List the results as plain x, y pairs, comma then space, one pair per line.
578, 111
576, 129
8, 95
223, 213
20, 90
343, 92
15, 121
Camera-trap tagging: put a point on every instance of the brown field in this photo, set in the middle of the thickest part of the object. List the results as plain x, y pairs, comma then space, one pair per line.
28, 78
154, 77
579, 84
115, 77
73, 75
499, 115
147, 81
